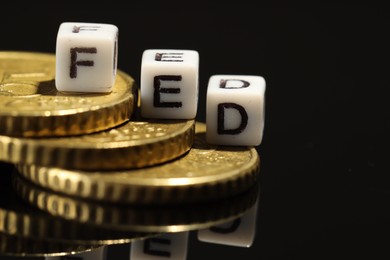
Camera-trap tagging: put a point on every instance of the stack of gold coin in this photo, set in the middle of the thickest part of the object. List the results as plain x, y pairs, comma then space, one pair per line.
81, 157
92, 146
204, 173
41, 126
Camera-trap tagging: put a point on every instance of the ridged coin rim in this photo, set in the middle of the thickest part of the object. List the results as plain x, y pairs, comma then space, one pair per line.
72, 121
101, 186
73, 153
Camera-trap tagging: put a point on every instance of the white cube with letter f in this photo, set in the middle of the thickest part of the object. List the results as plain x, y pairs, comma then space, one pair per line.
235, 110
86, 57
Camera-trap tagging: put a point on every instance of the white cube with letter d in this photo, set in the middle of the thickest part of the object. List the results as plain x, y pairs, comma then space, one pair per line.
235, 109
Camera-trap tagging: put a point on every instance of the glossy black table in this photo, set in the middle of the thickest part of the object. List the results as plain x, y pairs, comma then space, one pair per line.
324, 172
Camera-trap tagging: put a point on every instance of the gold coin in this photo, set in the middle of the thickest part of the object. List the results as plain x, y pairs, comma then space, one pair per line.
17, 246
17, 218
205, 173
148, 218
30, 105
132, 144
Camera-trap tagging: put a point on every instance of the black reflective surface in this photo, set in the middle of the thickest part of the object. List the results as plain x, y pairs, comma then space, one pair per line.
324, 172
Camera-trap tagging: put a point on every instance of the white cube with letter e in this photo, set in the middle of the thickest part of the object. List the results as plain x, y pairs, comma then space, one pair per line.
235, 109
86, 57
169, 84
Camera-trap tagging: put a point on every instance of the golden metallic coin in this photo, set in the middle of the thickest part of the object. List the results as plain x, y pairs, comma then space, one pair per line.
17, 218
132, 144
205, 173
16, 246
31, 106
135, 218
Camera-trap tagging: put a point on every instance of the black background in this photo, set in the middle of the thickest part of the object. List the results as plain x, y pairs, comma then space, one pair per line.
324, 186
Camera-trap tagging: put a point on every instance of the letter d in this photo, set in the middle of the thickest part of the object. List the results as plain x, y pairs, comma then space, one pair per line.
221, 119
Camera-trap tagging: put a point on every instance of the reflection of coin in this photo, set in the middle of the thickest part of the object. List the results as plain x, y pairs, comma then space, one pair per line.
133, 144
18, 218
31, 106
164, 218
205, 173
17, 246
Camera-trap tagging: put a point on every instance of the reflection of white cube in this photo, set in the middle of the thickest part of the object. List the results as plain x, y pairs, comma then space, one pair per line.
172, 246
86, 57
96, 254
239, 232
235, 110
169, 84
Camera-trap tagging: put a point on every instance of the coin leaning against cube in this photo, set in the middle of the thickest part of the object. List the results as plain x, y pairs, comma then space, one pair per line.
86, 61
